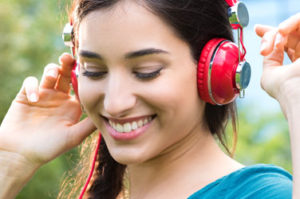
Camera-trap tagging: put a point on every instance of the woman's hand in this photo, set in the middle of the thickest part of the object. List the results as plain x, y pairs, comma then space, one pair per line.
42, 122
281, 82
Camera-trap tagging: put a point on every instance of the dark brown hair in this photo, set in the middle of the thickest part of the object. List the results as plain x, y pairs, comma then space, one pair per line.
194, 21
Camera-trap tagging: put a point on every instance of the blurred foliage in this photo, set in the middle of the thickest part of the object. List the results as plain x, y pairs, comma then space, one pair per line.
30, 32
262, 138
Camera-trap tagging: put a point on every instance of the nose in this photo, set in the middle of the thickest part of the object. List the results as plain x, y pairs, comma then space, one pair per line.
119, 97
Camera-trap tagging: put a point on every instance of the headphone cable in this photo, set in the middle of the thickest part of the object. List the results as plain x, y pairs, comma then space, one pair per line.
92, 169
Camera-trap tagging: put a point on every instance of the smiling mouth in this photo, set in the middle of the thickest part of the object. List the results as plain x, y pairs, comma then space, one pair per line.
129, 126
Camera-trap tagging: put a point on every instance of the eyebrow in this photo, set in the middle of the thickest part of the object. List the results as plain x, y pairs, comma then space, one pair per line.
130, 55
89, 54
144, 52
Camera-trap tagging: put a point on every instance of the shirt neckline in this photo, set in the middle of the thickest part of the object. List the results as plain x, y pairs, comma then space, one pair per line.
219, 180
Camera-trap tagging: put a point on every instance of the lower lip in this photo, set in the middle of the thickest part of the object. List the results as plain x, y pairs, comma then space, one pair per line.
127, 136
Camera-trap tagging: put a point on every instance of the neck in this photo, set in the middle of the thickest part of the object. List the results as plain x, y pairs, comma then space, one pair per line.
191, 164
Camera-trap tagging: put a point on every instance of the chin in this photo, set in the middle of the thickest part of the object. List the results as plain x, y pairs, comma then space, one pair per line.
127, 158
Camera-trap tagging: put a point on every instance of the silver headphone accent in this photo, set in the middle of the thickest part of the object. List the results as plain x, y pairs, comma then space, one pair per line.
238, 15
67, 35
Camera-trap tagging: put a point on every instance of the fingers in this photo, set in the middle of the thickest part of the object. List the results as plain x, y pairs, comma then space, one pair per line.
262, 29
64, 79
280, 41
290, 25
29, 91
274, 58
291, 28
267, 43
50, 76
287, 37
272, 48
291, 54
80, 131
297, 52
54, 77
271, 38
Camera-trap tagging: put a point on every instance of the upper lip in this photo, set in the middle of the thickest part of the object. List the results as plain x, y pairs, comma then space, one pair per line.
126, 120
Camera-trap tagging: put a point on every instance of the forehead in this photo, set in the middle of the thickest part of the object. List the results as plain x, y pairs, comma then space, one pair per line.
126, 25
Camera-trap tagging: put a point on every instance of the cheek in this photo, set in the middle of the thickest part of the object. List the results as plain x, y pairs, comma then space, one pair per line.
175, 94
175, 100
89, 93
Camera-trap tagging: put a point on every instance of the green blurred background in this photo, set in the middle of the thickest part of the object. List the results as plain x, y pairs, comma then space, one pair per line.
30, 37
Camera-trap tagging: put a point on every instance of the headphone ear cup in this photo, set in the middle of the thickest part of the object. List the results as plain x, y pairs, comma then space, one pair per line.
74, 80
203, 69
217, 67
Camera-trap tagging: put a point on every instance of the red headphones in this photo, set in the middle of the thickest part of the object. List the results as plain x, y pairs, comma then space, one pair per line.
223, 72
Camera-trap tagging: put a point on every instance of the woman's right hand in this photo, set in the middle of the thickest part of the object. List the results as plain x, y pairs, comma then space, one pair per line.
43, 120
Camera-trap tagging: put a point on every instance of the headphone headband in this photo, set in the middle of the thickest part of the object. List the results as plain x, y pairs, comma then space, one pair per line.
231, 2
237, 13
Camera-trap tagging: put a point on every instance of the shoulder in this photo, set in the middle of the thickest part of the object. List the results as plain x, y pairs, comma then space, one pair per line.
256, 181
261, 181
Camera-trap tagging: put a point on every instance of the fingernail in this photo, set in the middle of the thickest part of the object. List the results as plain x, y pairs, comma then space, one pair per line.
53, 73
60, 58
263, 47
255, 26
278, 39
33, 97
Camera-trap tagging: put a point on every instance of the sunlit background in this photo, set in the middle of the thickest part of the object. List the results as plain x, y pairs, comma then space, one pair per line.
269, 12
30, 37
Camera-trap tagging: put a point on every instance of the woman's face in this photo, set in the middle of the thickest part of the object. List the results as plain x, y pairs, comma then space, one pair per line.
137, 82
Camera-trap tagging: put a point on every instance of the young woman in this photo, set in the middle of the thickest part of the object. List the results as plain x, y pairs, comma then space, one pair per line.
138, 85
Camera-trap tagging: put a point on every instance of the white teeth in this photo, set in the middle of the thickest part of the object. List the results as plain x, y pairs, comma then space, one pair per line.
140, 123
128, 127
134, 126
120, 128
145, 121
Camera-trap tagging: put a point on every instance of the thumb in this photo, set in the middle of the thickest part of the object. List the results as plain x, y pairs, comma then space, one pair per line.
80, 131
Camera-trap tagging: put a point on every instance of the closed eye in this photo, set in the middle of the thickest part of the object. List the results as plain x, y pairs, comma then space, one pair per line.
93, 74
92, 71
147, 76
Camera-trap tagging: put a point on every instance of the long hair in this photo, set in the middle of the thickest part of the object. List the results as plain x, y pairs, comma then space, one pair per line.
194, 21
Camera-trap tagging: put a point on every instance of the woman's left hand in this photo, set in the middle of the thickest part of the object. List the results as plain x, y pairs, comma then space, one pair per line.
281, 82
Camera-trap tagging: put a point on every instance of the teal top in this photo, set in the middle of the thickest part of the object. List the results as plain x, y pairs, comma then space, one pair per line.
257, 181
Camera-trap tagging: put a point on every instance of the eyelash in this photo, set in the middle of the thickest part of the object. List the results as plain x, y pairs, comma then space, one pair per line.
146, 76
142, 76
93, 74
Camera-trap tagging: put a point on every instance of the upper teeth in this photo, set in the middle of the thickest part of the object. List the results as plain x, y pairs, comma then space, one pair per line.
129, 126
